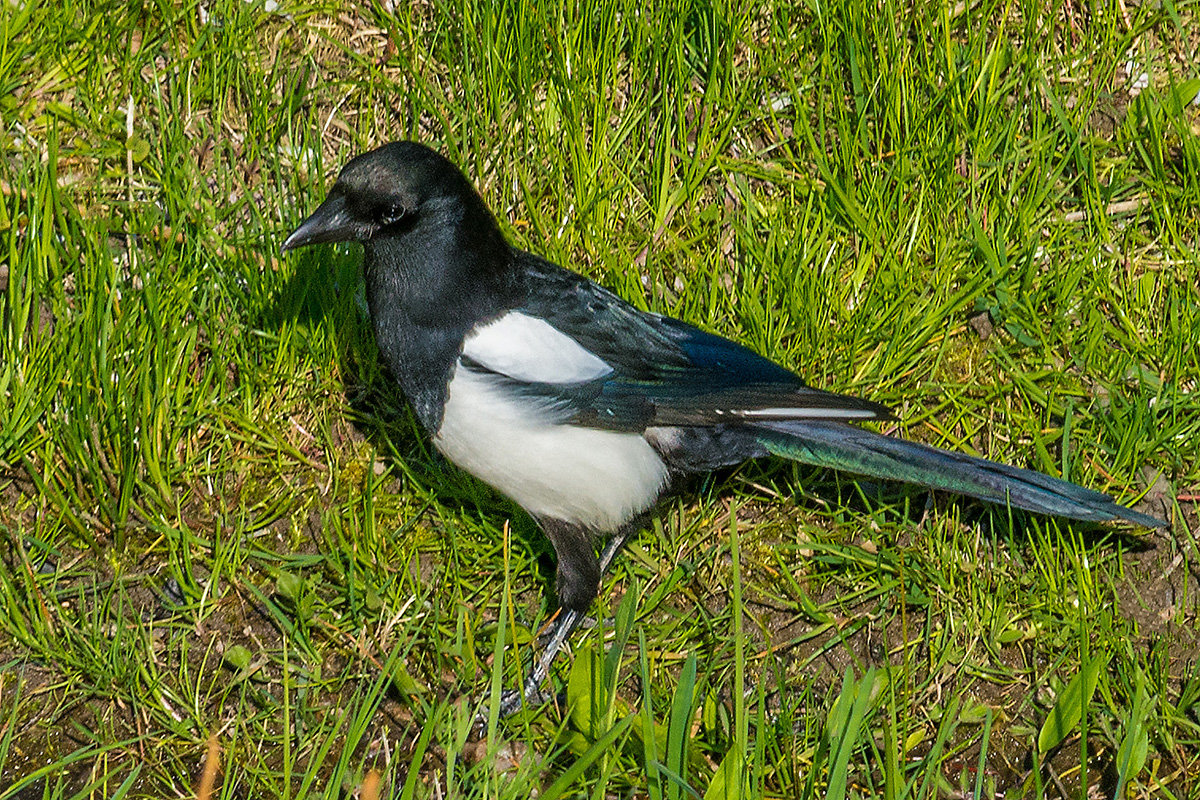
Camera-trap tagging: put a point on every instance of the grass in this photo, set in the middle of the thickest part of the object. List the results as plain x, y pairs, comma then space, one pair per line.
220, 521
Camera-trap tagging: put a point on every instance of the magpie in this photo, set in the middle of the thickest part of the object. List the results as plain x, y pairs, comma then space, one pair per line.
578, 406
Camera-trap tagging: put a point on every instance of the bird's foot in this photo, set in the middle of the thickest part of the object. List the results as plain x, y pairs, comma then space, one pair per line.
511, 701
530, 694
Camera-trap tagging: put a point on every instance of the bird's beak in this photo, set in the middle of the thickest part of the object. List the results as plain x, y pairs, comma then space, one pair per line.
331, 222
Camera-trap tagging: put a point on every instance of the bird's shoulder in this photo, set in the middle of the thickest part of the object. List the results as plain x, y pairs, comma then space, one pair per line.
602, 362
639, 343
629, 339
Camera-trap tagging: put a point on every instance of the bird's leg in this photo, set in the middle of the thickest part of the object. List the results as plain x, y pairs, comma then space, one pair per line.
570, 570
607, 556
614, 546
531, 692
578, 576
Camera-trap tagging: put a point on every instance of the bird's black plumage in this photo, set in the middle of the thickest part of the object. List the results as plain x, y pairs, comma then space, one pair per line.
579, 406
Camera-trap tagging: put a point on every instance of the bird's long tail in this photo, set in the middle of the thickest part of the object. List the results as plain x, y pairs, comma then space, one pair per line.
844, 447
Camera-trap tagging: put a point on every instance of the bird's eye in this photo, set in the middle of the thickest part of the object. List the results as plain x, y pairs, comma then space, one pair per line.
392, 213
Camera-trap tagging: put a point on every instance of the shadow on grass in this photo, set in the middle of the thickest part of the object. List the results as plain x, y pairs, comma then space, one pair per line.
326, 289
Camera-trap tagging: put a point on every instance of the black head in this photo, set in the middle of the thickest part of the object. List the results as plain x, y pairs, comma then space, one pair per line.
378, 192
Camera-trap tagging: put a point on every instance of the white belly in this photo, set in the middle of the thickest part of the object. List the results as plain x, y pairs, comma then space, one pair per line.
595, 478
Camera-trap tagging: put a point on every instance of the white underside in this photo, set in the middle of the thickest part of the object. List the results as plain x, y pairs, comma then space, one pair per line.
595, 478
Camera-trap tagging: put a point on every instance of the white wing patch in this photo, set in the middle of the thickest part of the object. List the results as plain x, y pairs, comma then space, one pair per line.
805, 413
530, 349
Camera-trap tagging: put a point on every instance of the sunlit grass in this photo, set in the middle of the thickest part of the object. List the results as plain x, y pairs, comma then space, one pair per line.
220, 519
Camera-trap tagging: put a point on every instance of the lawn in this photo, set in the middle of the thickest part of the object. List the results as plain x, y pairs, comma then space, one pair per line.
226, 549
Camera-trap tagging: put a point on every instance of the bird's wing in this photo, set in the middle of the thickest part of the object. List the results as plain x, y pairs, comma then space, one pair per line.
603, 363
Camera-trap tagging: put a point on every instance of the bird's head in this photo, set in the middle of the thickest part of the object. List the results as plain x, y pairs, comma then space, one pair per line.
378, 192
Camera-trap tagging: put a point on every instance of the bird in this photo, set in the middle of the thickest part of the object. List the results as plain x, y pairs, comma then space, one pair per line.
583, 409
